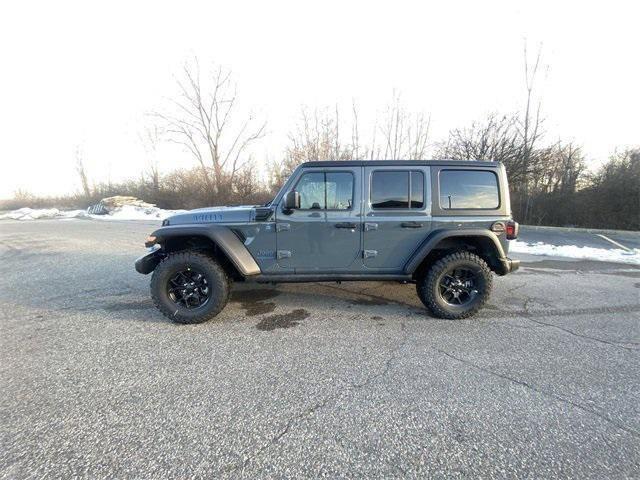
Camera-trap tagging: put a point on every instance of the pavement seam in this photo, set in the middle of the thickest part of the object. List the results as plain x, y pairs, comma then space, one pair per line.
545, 393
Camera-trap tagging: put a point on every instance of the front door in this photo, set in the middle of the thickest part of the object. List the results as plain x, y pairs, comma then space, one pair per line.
397, 215
324, 234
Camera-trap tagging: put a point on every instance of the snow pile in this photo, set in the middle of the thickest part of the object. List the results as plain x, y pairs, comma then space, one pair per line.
133, 212
41, 213
119, 201
616, 255
128, 208
111, 208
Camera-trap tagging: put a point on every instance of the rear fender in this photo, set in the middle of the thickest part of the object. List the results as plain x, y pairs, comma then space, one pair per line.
437, 237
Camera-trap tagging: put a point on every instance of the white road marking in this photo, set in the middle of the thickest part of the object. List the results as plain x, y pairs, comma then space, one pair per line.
614, 242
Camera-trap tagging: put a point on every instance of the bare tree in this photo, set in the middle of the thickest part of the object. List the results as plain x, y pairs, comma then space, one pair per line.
150, 139
516, 141
530, 129
317, 137
560, 170
82, 173
406, 136
205, 124
494, 139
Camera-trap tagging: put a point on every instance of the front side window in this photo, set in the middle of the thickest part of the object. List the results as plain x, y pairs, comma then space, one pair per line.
339, 188
397, 189
326, 190
473, 189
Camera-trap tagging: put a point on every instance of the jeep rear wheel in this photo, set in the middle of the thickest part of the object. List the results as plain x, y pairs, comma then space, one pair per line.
456, 286
189, 287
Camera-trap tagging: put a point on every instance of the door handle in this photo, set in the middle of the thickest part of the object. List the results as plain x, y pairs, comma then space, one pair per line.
411, 225
348, 225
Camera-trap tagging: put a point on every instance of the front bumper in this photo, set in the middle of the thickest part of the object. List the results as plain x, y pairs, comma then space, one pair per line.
147, 263
508, 265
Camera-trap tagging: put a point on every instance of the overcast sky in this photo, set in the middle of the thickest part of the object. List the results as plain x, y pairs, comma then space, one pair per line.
83, 74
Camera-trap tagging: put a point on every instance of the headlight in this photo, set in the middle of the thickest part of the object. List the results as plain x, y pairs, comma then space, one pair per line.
151, 241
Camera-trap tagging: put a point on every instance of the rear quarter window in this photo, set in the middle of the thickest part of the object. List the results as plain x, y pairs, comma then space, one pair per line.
397, 189
468, 189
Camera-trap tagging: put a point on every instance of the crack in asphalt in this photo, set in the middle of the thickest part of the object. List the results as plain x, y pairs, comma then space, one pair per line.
530, 314
566, 312
543, 392
527, 315
510, 290
349, 388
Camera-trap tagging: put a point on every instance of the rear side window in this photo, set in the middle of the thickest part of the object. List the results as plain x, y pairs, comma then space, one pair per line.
471, 189
397, 189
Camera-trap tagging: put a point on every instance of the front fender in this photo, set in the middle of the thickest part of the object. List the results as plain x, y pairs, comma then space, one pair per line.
222, 236
437, 236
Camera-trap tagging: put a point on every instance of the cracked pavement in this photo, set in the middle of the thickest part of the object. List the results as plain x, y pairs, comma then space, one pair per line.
351, 380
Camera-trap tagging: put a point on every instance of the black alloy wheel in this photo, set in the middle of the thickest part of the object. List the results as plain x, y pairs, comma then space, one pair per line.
455, 286
189, 288
458, 286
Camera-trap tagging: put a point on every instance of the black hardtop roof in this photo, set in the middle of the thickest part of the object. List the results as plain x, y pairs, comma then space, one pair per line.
384, 163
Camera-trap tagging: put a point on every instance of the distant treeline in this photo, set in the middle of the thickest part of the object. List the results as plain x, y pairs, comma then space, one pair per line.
549, 181
561, 193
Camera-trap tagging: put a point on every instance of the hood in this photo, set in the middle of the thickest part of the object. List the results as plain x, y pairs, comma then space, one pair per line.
245, 213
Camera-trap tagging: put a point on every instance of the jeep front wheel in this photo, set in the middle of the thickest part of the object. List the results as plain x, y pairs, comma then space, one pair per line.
456, 286
189, 287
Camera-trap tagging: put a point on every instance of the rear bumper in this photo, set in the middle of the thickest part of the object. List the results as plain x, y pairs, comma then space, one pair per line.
147, 263
508, 265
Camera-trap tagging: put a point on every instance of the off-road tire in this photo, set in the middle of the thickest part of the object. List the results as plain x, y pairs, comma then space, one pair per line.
428, 290
216, 278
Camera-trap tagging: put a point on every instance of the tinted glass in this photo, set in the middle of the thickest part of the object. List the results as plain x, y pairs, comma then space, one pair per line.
468, 189
390, 190
339, 187
311, 189
417, 190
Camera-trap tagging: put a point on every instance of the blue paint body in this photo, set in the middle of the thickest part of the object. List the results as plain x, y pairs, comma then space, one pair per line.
381, 241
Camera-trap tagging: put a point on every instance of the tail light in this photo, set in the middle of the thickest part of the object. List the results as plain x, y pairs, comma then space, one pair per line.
511, 230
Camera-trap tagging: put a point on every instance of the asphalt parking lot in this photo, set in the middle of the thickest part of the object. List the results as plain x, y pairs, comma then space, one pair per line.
351, 380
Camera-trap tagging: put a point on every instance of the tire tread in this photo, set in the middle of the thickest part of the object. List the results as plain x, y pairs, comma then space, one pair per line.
219, 279
426, 286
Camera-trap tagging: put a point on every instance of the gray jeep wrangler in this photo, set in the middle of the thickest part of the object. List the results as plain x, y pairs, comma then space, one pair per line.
442, 225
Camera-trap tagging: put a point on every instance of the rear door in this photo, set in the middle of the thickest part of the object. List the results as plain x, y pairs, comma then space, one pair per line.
397, 214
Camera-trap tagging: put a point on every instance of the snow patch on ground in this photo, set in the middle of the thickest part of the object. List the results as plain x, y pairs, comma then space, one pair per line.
125, 212
616, 255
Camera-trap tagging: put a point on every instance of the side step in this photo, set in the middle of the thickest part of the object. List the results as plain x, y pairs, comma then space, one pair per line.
330, 277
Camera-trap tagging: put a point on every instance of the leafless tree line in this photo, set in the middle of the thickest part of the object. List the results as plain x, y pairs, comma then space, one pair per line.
547, 178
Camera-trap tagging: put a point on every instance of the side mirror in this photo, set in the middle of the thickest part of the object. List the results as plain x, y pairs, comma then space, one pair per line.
292, 200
